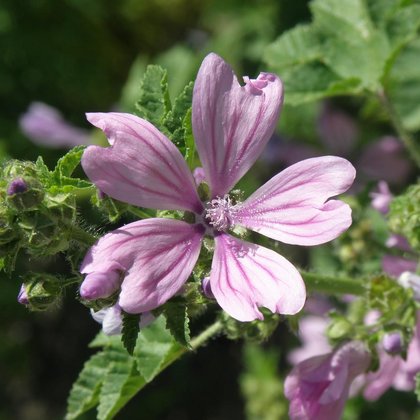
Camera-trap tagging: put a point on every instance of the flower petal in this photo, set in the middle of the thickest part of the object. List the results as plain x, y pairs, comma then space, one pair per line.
155, 256
246, 276
395, 265
142, 166
292, 206
232, 123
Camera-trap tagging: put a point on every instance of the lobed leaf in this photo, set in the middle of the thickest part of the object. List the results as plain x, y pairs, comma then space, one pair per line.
85, 391
155, 348
154, 102
120, 384
178, 322
316, 60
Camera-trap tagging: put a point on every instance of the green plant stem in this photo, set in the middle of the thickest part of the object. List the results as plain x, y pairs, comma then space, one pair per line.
139, 212
196, 342
204, 336
333, 285
409, 142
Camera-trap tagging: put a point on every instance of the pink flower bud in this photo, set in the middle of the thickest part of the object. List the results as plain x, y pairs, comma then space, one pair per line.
100, 285
207, 288
23, 296
17, 186
392, 343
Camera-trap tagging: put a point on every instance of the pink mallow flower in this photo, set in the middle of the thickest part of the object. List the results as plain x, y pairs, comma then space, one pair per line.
150, 260
319, 387
45, 126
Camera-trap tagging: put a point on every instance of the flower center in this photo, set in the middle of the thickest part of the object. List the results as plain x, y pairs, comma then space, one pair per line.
219, 213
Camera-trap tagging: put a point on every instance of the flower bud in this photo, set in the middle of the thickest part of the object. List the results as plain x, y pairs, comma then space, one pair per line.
206, 287
100, 285
41, 292
8, 232
17, 186
392, 343
23, 296
410, 280
43, 235
24, 194
339, 329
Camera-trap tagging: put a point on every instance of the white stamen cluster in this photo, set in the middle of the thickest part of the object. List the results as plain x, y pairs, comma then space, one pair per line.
219, 213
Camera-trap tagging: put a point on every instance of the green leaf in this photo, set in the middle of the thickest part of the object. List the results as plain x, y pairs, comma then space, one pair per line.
182, 104
403, 26
189, 140
120, 384
155, 346
178, 323
404, 215
85, 391
178, 124
351, 16
298, 46
261, 385
68, 163
315, 81
130, 331
417, 389
154, 102
403, 86
316, 60
61, 180
43, 172
387, 296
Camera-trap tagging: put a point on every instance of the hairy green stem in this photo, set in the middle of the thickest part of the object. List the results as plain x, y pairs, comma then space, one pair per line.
204, 336
81, 236
196, 342
333, 285
410, 143
140, 212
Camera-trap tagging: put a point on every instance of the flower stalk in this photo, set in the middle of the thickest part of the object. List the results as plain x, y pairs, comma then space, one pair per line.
333, 285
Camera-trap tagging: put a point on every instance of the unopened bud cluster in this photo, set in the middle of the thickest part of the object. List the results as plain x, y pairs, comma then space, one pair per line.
32, 215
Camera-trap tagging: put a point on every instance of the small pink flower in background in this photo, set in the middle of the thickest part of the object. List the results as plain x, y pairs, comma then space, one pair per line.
45, 126
312, 331
319, 387
150, 260
378, 157
382, 198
